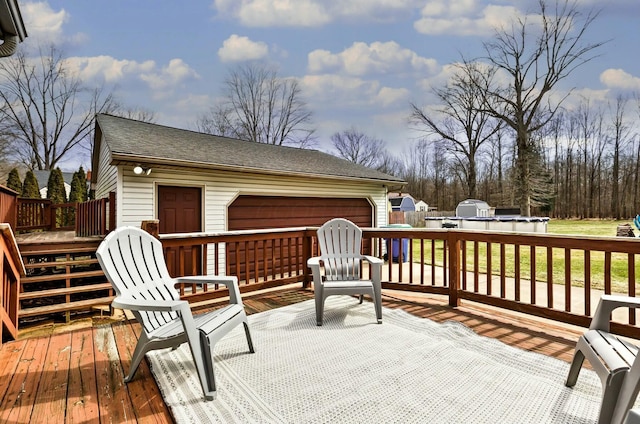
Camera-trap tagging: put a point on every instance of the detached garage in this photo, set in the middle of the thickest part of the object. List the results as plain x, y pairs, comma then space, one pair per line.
191, 181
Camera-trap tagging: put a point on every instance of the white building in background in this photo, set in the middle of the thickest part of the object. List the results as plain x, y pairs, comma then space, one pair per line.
43, 180
421, 206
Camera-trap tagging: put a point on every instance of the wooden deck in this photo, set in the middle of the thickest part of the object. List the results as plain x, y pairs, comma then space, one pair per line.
74, 373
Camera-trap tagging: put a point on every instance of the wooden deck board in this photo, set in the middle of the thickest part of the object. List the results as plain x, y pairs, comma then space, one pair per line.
51, 398
152, 408
95, 360
113, 398
82, 394
19, 400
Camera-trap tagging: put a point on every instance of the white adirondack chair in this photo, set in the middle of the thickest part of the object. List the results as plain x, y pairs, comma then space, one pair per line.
133, 262
613, 359
337, 269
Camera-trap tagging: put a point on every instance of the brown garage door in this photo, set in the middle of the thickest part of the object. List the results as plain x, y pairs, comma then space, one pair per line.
180, 211
255, 212
260, 212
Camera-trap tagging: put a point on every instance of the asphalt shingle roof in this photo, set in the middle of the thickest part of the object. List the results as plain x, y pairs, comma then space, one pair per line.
130, 140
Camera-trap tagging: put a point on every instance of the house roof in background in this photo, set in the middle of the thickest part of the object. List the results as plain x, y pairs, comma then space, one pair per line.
131, 141
43, 177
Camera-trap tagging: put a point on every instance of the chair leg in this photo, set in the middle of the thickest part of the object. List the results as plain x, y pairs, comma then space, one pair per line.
627, 396
377, 303
137, 356
248, 334
361, 298
610, 397
319, 307
574, 370
206, 349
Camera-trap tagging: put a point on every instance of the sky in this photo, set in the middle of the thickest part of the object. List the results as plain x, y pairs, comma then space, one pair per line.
360, 63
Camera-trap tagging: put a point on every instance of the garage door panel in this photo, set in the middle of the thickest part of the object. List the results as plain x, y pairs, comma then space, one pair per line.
258, 212
261, 212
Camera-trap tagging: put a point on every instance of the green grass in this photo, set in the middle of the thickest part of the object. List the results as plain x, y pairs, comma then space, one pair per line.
586, 227
619, 272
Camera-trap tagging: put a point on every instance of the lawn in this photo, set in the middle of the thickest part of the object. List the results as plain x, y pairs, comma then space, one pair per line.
619, 271
586, 227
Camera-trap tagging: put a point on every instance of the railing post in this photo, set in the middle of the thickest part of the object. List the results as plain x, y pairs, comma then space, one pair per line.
307, 240
453, 241
112, 211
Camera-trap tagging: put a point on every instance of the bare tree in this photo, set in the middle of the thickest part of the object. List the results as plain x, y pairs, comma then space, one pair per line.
136, 113
466, 125
621, 132
534, 57
357, 147
259, 106
42, 108
217, 121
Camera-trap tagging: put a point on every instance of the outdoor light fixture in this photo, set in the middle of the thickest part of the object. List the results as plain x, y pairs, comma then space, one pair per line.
139, 170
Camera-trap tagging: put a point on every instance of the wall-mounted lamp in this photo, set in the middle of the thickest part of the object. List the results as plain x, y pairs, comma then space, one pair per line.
139, 170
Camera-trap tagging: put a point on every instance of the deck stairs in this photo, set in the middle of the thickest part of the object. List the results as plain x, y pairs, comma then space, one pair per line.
63, 278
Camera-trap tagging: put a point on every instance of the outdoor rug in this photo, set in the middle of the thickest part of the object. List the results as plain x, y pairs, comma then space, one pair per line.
352, 370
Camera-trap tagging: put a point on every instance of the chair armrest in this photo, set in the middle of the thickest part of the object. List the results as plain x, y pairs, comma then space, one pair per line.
375, 268
602, 316
208, 279
314, 264
372, 259
148, 305
231, 282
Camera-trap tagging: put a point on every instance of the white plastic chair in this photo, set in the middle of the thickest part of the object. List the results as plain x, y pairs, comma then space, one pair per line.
133, 262
337, 270
612, 358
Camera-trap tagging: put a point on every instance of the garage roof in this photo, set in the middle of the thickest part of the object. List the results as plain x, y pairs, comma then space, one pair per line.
131, 141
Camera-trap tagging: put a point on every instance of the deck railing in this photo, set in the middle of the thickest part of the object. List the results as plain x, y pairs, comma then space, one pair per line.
11, 269
95, 217
259, 258
550, 276
8, 206
91, 218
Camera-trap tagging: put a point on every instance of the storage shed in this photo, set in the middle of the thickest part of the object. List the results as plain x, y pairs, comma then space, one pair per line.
473, 207
402, 203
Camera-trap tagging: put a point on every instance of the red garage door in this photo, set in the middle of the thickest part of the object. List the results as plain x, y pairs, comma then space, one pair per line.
261, 212
256, 212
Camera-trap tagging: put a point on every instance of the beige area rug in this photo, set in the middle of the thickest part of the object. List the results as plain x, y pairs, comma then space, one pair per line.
352, 370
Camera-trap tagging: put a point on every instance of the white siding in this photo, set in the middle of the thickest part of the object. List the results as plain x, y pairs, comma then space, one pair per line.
138, 194
107, 174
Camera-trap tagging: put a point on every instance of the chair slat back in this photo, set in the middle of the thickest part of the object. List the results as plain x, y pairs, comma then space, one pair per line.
134, 264
340, 242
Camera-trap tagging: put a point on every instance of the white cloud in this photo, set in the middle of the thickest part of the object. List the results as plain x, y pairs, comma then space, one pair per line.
391, 96
311, 13
462, 18
619, 79
282, 13
369, 59
42, 22
348, 92
237, 48
170, 76
107, 68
